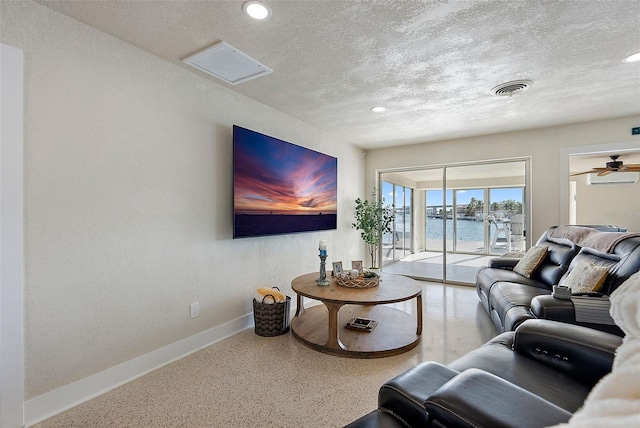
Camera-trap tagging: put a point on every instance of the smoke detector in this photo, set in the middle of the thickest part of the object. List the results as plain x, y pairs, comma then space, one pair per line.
508, 89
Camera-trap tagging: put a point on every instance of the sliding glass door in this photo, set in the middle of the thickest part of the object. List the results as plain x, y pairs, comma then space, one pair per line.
450, 220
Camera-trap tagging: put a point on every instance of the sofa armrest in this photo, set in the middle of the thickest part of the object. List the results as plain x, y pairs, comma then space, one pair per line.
476, 398
588, 311
583, 353
549, 308
503, 263
405, 394
592, 308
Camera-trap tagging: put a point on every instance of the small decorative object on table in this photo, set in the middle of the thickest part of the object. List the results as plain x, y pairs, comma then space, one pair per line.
354, 280
323, 281
337, 268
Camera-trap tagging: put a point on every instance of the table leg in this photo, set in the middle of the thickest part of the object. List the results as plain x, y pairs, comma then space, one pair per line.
419, 304
333, 338
300, 306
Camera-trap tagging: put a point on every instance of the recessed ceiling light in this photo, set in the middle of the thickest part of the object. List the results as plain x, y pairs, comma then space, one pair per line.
633, 57
256, 10
378, 109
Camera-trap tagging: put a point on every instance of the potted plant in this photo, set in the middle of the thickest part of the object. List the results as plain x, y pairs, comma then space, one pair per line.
373, 219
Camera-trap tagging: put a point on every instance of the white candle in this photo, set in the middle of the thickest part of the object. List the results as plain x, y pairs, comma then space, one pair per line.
323, 248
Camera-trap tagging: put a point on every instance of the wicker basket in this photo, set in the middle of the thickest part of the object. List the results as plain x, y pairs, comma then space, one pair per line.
271, 319
348, 281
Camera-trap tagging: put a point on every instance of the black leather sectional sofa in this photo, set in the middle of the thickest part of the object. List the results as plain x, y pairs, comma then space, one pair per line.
511, 298
536, 376
541, 368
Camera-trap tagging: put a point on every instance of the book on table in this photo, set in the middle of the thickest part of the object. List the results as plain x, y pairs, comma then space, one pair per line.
362, 324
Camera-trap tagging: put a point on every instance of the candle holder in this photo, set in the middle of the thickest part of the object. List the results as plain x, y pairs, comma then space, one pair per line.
323, 281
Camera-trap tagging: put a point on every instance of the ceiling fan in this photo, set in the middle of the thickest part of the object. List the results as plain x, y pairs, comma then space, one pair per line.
614, 166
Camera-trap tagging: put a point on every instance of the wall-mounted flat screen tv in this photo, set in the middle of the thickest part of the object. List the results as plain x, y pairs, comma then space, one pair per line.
281, 188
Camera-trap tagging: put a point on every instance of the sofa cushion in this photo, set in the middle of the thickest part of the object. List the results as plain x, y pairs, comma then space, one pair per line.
505, 296
531, 260
487, 277
585, 277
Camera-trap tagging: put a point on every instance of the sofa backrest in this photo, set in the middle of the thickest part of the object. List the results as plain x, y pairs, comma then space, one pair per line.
623, 262
556, 263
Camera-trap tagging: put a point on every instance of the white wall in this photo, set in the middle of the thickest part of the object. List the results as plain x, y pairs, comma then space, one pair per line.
617, 204
544, 145
128, 205
11, 238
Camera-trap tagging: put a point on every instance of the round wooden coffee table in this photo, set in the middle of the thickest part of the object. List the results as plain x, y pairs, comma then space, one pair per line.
322, 327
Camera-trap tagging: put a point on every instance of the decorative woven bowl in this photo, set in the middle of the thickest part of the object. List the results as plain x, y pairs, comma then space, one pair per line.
347, 280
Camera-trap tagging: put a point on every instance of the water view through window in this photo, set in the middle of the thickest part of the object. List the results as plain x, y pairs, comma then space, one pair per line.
450, 220
472, 217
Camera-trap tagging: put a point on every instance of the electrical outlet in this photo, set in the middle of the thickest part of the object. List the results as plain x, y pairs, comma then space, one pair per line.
635, 131
195, 310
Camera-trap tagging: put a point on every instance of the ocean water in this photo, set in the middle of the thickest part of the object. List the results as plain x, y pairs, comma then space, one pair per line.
468, 230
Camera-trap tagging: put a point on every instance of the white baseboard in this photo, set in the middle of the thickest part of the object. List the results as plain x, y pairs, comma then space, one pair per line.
57, 401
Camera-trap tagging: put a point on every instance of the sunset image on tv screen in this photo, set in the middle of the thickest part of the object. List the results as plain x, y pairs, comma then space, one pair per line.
280, 187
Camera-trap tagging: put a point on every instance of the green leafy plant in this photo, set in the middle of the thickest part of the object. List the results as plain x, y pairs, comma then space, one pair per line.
373, 219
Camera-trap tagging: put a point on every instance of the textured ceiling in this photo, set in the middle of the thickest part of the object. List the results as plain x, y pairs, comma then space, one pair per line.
431, 63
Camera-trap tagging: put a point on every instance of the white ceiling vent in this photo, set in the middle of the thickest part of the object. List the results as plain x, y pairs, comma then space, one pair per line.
509, 88
227, 63
613, 178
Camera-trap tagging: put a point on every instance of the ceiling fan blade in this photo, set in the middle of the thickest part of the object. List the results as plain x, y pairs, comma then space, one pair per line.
630, 168
593, 171
605, 172
581, 173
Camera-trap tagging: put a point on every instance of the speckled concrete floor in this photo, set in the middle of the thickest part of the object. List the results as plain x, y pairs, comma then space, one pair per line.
253, 381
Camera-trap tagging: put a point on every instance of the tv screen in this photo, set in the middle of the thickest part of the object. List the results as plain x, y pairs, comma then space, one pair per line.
281, 188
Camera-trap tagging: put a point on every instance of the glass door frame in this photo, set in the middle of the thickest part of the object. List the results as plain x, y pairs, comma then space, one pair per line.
407, 217
527, 209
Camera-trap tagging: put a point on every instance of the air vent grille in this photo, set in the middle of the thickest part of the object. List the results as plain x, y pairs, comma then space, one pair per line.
510, 88
227, 63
